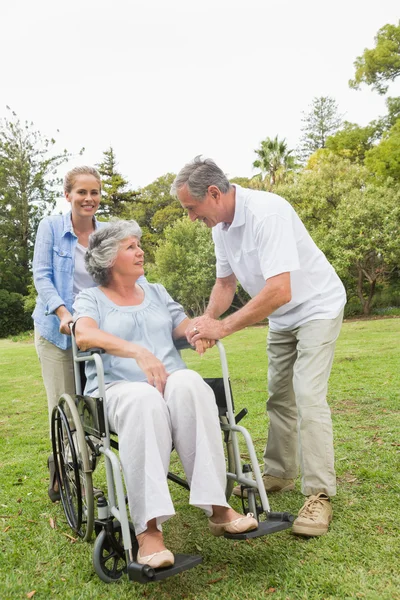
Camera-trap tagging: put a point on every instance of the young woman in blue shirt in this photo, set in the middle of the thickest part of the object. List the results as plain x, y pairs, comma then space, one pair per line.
59, 273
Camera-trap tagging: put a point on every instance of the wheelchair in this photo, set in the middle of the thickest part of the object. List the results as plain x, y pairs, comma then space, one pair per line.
81, 435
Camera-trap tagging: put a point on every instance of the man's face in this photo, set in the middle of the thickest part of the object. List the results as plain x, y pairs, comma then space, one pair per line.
207, 210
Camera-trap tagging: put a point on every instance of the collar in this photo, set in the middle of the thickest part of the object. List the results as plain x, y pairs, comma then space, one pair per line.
67, 224
239, 217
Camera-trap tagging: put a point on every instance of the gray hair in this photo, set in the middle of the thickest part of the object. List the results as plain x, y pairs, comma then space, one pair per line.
103, 247
198, 175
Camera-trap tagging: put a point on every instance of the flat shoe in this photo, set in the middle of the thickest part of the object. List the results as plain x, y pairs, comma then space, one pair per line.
165, 558
241, 525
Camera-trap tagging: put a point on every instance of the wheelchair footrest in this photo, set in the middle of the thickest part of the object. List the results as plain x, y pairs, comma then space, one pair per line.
275, 522
145, 574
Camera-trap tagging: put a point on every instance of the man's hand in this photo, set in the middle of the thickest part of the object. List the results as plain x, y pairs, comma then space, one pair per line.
204, 328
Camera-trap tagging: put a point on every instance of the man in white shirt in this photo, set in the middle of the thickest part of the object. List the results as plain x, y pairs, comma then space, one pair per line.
261, 242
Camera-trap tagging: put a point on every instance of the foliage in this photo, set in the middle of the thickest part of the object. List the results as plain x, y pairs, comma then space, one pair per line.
319, 189
321, 121
254, 183
355, 223
115, 197
185, 264
355, 560
392, 116
28, 190
380, 65
384, 159
30, 299
13, 318
154, 210
274, 160
364, 238
352, 141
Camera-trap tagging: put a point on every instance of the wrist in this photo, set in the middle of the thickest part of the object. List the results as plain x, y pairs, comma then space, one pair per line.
62, 311
225, 327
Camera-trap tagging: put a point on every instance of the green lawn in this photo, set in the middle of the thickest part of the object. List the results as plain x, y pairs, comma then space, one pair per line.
360, 556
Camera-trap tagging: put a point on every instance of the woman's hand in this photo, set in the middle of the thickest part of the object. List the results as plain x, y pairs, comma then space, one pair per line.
65, 319
203, 345
153, 369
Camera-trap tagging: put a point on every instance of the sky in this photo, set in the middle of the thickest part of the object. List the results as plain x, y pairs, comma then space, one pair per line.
164, 80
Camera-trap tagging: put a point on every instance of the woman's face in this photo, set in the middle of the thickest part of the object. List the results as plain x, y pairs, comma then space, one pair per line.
130, 259
85, 196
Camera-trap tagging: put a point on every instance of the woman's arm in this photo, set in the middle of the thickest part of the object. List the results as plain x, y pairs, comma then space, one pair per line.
43, 274
88, 335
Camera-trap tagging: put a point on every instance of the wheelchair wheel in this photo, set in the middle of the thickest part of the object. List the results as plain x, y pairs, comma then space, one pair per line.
230, 460
73, 467
109, 559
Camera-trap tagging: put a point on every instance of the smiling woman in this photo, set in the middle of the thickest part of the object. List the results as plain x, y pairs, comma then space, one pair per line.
153, 400
59, 273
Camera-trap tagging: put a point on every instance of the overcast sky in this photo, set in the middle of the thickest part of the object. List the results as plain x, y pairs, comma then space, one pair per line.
164, 80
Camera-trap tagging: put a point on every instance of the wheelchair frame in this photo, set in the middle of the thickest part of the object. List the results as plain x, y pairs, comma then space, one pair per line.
75, 421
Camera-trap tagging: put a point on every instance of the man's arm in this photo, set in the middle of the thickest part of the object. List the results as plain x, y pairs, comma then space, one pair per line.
221, 296
275, 293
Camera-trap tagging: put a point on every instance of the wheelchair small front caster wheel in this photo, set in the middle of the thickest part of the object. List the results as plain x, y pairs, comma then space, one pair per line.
109, 559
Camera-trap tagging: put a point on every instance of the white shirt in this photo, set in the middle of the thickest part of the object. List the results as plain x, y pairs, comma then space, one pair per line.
82, 279
267, 238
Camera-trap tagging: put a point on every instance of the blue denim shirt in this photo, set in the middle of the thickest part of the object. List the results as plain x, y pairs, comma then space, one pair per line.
53, 275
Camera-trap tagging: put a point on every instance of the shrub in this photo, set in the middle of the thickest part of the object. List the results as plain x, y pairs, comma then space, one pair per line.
13, 318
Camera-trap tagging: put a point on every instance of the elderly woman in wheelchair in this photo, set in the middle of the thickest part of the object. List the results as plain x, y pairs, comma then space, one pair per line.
153, 400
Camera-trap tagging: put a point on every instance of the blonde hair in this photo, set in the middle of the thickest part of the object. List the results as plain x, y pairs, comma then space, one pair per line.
71, 176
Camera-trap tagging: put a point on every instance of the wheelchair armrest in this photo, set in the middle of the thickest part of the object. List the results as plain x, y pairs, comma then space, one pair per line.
182, 344
90, 352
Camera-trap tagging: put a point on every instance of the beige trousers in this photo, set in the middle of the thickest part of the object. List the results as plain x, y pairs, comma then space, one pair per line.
57, 371
300, 430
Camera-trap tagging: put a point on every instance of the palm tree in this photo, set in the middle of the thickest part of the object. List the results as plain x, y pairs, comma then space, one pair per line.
274, 160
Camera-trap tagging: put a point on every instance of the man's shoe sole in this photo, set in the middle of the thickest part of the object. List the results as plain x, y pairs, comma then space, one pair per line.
307, 532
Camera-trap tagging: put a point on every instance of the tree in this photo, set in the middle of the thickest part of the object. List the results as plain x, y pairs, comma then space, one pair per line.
353, 141
185, 264
318, 191
155, 209
321, 121
116, 198
29, 187
384, 159
380, 65
274, 160
364, 238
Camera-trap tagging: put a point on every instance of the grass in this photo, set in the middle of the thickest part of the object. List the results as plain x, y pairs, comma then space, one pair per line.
357, 559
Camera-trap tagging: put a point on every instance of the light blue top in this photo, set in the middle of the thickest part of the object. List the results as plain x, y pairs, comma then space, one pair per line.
53, 275
150, 324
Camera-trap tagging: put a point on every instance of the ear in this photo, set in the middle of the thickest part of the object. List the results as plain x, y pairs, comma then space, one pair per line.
68, 199
214, 191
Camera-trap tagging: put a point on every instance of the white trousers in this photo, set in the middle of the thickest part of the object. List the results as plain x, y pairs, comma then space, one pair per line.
300, 430
148, 424
57, 371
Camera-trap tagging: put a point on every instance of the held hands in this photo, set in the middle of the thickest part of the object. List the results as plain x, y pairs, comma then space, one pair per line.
204, 329
153, 369
203, 345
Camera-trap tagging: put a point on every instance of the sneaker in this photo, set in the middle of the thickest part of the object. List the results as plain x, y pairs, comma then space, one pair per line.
271, 484
314, 517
